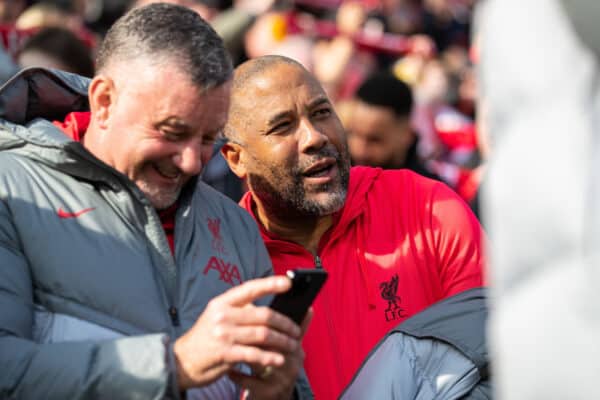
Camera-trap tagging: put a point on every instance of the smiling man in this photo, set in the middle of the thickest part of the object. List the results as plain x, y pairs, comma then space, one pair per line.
121, 275
393, 242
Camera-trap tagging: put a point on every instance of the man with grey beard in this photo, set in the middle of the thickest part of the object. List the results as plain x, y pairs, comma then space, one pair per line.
393, 242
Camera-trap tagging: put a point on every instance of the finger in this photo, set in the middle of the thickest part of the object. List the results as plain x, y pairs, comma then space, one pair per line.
254, 289
306, 321
260, 315
265, 338
249, 382
280, 382
252, 355
258, 388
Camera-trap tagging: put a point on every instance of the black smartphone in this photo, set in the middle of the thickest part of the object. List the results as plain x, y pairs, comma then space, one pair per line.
306, 284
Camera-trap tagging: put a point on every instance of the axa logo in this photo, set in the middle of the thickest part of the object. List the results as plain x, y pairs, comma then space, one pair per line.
214, 226
228, 273
65, 214
389, 292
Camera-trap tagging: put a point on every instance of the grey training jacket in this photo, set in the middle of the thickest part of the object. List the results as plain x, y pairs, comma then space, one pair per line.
440, 353
91, 298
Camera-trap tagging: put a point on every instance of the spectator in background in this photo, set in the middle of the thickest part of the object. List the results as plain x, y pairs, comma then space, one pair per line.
59, 49
392, 241
447, 22
207, 9
10, 10
48, 14
379, 127
61, 15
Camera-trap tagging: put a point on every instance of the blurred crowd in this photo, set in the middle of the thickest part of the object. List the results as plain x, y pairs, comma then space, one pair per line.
399, 71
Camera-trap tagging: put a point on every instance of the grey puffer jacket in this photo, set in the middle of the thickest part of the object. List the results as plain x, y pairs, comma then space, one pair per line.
91, 298
440, 353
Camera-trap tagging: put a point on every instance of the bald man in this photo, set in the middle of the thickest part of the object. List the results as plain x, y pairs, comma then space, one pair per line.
393, 242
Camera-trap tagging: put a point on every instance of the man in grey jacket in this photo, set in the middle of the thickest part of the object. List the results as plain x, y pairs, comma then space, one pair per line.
122, 275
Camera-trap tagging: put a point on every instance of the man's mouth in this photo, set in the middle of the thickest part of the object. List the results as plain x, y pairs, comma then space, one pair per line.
166, 172
321, 168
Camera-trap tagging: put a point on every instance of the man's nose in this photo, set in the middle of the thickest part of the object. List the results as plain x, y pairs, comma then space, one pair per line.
312, 138
189, 160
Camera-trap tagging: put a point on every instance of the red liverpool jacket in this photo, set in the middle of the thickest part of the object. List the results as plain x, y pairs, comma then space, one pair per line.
400, 243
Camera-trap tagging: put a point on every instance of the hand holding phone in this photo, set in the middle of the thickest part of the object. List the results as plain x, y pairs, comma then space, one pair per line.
306, 284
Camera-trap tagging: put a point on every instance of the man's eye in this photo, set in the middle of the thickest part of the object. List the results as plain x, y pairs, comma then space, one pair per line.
322, 112
280, 127
209, 141
171, 135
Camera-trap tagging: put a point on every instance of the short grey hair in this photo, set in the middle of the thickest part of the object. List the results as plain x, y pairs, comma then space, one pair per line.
161, 31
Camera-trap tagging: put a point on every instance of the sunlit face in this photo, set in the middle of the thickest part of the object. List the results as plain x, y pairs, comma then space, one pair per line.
160, 129
294, 151
377, 137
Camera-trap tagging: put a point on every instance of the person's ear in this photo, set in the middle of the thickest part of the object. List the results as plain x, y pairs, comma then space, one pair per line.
101, 93
232, 153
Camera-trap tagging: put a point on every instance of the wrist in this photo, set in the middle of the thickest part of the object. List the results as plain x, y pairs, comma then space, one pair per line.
184, 380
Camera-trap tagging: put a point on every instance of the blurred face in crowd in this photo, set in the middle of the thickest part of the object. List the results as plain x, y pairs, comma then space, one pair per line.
10, 10
377, 137
156, 126
35, 58
293, 150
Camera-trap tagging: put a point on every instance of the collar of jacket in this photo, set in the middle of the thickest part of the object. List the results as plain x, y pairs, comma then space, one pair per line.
361, 180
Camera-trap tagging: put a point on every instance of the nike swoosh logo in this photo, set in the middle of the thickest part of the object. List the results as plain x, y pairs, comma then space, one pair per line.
64, 214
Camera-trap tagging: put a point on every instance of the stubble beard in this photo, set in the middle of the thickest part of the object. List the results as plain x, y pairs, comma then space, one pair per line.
285, 196
159, 198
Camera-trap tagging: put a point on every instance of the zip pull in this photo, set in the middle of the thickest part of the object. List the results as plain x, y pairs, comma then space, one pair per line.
318, 264
174, 314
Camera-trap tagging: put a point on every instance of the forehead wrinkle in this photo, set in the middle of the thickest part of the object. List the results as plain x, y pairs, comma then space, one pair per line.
321, 99
279, 116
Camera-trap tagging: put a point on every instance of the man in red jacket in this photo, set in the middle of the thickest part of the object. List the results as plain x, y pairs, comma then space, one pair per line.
393, 242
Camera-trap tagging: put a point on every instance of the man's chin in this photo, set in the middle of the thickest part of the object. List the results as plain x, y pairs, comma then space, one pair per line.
162, 201
160, 196
325, 203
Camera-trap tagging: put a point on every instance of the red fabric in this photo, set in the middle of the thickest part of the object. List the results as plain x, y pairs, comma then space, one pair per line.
167, 218
468, 183
75, 125
388, 43
454, 129
12, 38
394, 223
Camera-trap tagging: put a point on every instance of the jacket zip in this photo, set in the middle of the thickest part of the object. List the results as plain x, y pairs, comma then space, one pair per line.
174, 313
319, 265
